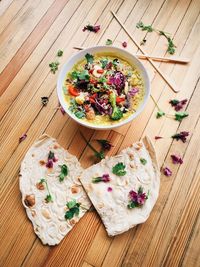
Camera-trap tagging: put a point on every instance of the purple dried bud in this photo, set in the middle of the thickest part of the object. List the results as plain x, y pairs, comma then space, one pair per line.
167, 171
176, 159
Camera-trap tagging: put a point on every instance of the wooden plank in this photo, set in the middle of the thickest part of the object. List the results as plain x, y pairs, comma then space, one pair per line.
9, 13
4, 5
28, 16
13, 67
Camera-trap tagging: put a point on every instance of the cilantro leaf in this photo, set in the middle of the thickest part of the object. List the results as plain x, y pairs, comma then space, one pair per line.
180, 115
83, 75
54, 66
119, 169
71, 203
73, 207
59, 53
49, 198
148, 28
159, 114
89, 58
143, 161
104, 62
64, 172
109, 42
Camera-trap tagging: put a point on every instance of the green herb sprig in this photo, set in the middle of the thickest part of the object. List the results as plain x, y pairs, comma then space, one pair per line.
64, 172
171, 46
74, 209
54, 64
49, 197
109, 42
143, 161
119, 169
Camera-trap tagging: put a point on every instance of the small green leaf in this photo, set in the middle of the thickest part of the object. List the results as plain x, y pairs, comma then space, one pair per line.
49, 198
104, 62
96, 180
143, 161
159, 114
59, 53
148, 28
69, 215
73, 207
79, 114
74, 75
71, 203
89, 58
119, 169
109, 42
180, 115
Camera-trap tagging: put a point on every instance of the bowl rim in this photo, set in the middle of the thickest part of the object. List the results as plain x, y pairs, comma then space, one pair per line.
62, 73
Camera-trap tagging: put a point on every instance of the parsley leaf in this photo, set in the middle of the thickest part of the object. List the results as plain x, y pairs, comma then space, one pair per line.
180, 115
119, 169
104, 62
148, 28
59, 53
159, 114
54, 66
83, 75
73, 207
171, 45
143, 161
64, 172
89, 58
109, 42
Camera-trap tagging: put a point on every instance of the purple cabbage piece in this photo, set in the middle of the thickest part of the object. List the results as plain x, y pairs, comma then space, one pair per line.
118, 80
101, 108
133, 91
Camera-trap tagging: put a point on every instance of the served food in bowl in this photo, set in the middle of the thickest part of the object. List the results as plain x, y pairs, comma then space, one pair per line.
103, 89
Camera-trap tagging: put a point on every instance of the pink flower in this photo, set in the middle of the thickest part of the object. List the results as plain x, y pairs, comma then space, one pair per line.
109, 189
176, 159
181, 136
124, 44
91, 28
137, 199
167, 171
49, 163
178, 104
105, 178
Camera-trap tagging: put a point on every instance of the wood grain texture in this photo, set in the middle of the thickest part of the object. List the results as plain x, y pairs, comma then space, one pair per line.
30, 34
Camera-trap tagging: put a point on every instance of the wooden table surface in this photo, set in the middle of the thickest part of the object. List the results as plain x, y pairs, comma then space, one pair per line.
31, 32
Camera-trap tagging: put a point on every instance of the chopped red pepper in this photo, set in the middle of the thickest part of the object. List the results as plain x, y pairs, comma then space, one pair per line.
73, 91
119, 99
100, 71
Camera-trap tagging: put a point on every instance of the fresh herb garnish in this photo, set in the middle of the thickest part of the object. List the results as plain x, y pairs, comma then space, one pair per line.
119, 169
143, 161
99, 155
180, 115
109, 42
49, 196
104, 178
181, 136
160, 113
137, 199
54, 66
44, 100
171, 46
59, 53
64, 172
74, 108
178, 104
73, 207
89, 58
104, 63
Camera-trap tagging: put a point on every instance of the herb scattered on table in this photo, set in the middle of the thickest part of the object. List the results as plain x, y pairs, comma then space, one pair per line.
105, 144
171, 46
104, 178
49, 196
74, 209
98, 154
160, 114
180, 115
176, 159
143, 161
109, 42
167, 171
22, 138
91, 28
137, 199
64, 172
143, 42
124, 44
119, 169
178, 104
54, 64
181, 136
44, 100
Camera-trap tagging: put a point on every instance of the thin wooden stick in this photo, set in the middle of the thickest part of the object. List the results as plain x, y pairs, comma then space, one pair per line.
171, 84
156, 58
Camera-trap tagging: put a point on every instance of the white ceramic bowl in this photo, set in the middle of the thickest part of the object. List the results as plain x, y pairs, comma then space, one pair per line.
118, 52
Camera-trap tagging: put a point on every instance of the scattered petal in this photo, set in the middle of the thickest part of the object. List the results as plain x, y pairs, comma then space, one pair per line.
137, 199
176, 159
124, 44
109, 189
158, 137
167, 171
22, 138
178, 104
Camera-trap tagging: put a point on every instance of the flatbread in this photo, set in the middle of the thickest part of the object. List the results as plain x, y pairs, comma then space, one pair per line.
110, 199
48, 218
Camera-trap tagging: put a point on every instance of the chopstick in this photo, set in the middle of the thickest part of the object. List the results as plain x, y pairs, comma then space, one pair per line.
156, 58
171, 84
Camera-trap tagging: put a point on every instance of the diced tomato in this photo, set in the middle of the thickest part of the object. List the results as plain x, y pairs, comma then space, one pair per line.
91, 71
73, 91
108, 82
93, 81
119, 99
92, 100
100, 71
92, 97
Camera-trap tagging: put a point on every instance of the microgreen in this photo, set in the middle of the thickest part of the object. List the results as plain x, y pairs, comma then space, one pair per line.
143, 161
54, 66
49, 197
64, 172
180, 115
140, 25
104, 62
119, 169
59, 53
73, 207
98, 154
109, 42
89, 58
160, 113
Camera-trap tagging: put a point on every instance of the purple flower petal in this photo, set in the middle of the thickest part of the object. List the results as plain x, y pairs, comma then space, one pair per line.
49, 163
109, 189
158, 137
91, 28
124, 44
176, 159
178, 104
133, 91
105, 178
181, 136
22, 138
167, 171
